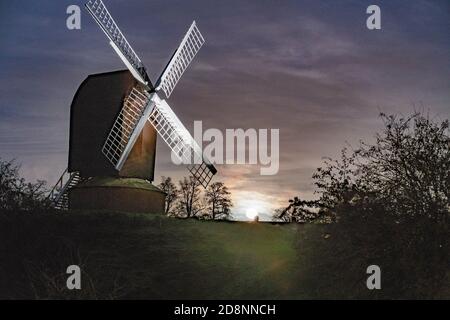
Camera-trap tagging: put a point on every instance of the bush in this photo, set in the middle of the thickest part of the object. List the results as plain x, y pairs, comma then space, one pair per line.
16, 193
405, 172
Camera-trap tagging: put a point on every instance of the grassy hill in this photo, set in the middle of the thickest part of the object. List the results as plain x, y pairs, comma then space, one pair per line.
155, 257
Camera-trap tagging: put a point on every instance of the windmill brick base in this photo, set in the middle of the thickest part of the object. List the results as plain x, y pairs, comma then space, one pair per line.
117, 194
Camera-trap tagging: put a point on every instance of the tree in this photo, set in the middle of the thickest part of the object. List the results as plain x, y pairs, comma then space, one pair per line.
297, 211
171, 191
219, 201
335, 181
189, 204
406, 171
16, 193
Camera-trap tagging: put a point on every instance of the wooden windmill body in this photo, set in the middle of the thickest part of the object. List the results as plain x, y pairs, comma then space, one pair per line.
94, 109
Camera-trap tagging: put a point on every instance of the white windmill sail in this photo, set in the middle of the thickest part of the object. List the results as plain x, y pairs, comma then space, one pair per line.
188, 48
127, 127
180, 141
117, 40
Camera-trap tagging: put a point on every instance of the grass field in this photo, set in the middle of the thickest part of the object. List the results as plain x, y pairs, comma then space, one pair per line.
155, 257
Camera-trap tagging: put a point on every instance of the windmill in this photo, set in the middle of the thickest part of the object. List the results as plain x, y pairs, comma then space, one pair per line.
144, 104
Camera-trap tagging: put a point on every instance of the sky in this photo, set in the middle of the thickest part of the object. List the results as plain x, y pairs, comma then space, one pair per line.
311, 69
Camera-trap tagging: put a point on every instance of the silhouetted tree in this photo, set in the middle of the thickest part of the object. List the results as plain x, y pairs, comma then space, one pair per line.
219, 201
406, 171
171, 191
335, 181
298, 211
189, 204
16, 193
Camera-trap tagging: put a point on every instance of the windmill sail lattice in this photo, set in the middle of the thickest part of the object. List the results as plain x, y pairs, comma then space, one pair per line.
180, 141
174, 132
188, 48
203, 172
117, 40
127, 127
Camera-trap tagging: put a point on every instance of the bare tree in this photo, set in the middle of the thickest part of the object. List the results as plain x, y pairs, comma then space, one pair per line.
189, 204
171, 191
16, 193
219, 201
